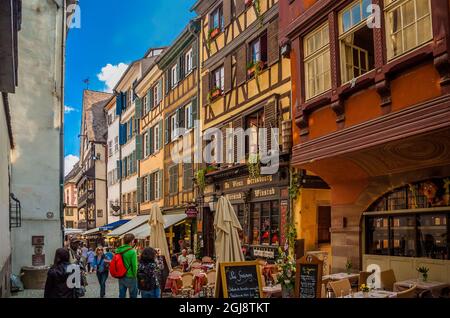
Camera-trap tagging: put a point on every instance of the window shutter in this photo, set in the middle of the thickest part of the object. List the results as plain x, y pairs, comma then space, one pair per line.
238, 123
151, 143
152, 187
240, 7
124, 168
167, 77
181, 68
160, 184
241, 68
139, 152
160, 86
124, 100
181, 118
273, 49
167, 130
228, 74
270, 120
119, 169
119, 104
227, 12
122, 134
138, 108
149, 100
147, 142
195, 47
205, 89
139, 190
194, 110
160, 132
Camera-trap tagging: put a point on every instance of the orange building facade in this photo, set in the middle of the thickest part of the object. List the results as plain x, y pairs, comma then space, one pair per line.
371, 84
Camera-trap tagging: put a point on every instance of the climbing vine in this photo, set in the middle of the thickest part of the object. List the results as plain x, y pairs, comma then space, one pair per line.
254, 166
294, 188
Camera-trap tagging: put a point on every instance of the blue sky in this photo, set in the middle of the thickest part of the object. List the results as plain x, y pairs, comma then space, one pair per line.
112, 34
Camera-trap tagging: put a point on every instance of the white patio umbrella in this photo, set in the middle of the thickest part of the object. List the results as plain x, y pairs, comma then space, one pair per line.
226, 225
157, 233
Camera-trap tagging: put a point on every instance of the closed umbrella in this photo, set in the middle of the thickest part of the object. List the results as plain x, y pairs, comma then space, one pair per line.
157, 233
226, 225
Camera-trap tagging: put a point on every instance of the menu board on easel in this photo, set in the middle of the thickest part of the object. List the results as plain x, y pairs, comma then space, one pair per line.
308, 280
239, 280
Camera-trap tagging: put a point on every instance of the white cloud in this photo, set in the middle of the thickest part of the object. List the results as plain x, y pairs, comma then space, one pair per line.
111, 74
69, 163
68, 109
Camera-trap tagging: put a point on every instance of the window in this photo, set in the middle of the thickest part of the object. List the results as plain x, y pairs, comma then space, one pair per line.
188, 175
145, 192
253, 122
145, 107
110, 148
408, 25
258, 49
188, 113
134, 201
317, 62
239, 209
188, 62
156, 185
100, 213
324, 224
174, 127
174, 76
216, 19
69, 212
145, 146
356, 41
218, 78
156, 144
156, 97
110, 120
69, 225
130, 97
265, 223
173, 179
116, 144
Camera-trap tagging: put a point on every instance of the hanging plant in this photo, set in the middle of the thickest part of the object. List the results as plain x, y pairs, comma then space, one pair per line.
294, 188
254, 166
254, 68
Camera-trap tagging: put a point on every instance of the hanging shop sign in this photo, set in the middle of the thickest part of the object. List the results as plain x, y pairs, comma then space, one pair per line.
192, 212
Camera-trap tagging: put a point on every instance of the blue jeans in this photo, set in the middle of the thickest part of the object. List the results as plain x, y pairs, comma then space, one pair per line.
155, 293
102, 277
130, 284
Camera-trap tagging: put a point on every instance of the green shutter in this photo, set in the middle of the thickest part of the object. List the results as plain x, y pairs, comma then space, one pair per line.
151, 100
161, 189
149, 106
151, 141
139, 153
152, 187
139, 190
160, 93
119, 169
138, 108
167, 78
167, 131
160, 137
181, 118
195, 54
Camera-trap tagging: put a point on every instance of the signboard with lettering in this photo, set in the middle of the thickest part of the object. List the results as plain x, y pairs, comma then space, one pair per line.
308, 280
38, 260
239, 280
191, 212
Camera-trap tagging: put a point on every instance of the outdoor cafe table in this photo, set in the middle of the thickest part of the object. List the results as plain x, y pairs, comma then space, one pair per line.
373, 294
340, 276
200, 280
174, 283
272, 292
434, 287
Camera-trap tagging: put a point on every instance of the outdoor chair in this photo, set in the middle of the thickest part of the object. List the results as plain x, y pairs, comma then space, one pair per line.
176, 272
207, 260
187, 288
178, 268
388, 280
363, 276
341, 287
196, 264
196, 271
409, 293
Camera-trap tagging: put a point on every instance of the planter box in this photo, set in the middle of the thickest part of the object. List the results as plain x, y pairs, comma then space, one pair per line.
34, 277
214, 33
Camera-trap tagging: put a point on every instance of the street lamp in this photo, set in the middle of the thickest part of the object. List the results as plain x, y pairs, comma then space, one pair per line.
213, 203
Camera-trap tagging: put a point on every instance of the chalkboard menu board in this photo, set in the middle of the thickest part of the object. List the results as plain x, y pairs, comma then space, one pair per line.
239, 280
308, 283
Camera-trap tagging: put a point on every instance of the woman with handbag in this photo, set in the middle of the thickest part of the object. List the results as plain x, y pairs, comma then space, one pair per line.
101, 266
56, 285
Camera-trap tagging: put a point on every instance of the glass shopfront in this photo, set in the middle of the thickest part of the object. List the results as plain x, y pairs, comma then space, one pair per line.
414, 222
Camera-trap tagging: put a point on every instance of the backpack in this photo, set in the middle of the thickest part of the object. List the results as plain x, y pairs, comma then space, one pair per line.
148, 276
117, 267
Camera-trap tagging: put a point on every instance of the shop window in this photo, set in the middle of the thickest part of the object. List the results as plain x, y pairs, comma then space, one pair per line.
239, 209
356, 41
377, 230
403, 235
317, 62
433, 236
324, 225
408, 25
145, 107
265, 223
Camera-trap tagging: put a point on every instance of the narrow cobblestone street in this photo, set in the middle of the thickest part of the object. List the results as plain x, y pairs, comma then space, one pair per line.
92, 290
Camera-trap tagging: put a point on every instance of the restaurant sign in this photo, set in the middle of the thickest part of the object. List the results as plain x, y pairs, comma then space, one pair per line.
192, 212
240, 183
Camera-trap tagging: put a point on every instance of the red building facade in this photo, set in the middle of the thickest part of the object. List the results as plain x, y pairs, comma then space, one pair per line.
371, 84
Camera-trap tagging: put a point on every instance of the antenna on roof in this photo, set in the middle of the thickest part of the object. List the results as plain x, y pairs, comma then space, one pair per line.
86, 81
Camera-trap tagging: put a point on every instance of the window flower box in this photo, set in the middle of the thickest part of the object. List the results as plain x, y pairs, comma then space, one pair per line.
214, 94
213, 33
254, 68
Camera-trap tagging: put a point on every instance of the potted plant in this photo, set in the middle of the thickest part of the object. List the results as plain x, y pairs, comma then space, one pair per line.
286, 273
423, 271
254, 68
213, 33
214, 93
349, 266
365, 290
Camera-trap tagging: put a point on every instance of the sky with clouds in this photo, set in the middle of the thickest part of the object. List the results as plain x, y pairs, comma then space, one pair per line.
112, 34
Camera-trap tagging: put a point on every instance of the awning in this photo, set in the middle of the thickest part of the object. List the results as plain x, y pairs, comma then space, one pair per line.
131, 225
73, 231
91, 232
113, 226
143, 231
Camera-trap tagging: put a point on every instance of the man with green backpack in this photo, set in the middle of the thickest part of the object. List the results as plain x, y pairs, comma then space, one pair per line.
124, 266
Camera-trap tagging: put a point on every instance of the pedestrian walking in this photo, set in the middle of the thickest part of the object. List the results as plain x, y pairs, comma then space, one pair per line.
90, 260
56, 285
129, 257
101, 267
149, 275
